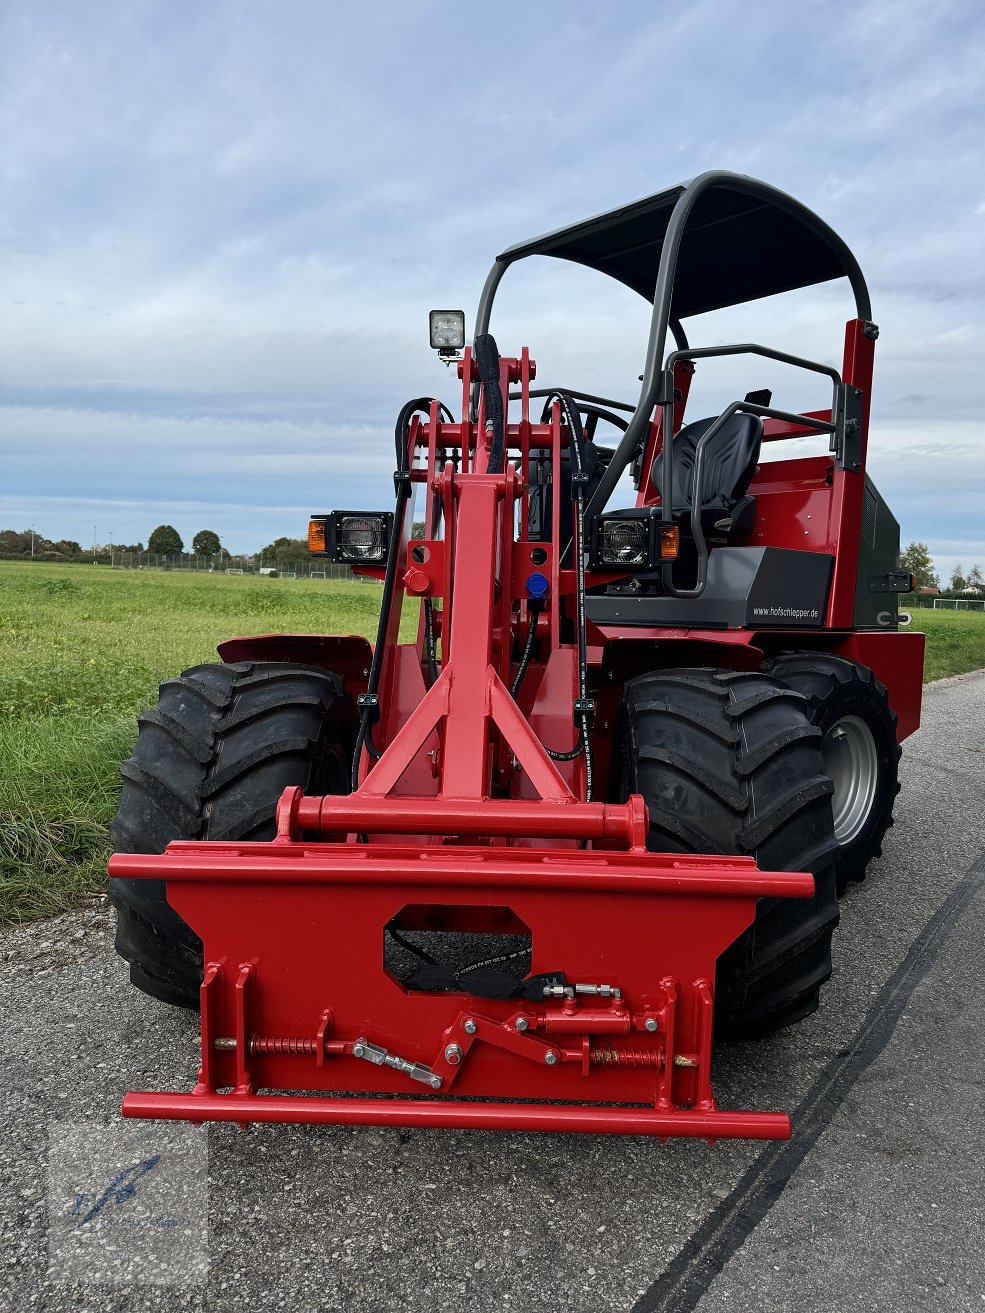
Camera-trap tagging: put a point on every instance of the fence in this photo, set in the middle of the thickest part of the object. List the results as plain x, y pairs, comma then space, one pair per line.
269, 567
958, 604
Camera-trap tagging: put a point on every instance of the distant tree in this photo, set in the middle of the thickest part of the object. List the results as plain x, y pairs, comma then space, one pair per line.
16, 544
13, 543
206, 543
418, 530
285, 551
958, 580
165, 541
916, 558
67, 547
975, 579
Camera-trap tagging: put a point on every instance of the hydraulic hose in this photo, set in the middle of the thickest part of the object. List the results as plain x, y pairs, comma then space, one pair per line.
487, 358
430, 649
370, 704
579, 479
528, 649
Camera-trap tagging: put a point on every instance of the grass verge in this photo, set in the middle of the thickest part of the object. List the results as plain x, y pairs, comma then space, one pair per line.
955, 641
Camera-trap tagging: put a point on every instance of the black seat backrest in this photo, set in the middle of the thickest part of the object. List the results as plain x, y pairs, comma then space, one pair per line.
728, 464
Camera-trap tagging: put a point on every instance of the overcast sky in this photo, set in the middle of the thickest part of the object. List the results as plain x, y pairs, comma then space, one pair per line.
224, 224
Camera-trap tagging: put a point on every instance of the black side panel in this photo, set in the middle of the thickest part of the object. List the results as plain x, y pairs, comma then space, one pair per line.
747, 588
875, 607
790, 589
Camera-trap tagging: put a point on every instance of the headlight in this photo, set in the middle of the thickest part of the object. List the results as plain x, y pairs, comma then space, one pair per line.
352, 537
623, 542
633, 540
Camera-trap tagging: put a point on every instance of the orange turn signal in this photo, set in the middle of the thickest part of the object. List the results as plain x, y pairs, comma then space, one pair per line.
316, 537
670, 542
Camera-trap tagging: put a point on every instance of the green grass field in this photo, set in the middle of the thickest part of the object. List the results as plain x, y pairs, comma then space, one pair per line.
83, 649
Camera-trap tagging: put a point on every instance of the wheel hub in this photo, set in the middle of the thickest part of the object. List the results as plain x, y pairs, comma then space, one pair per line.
850, 758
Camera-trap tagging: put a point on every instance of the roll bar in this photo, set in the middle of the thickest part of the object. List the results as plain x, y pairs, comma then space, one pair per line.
597, 242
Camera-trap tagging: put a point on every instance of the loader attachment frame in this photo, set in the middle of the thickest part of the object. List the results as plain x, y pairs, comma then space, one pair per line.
296, 995
463, 818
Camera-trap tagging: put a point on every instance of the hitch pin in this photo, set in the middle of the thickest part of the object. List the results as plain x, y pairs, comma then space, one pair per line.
569, 991
373, 1053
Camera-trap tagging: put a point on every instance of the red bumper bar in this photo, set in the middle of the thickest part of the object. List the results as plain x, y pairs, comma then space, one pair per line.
452, 1113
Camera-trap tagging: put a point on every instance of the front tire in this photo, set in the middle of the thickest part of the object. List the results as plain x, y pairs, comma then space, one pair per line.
210, 762
728, 762
861, 755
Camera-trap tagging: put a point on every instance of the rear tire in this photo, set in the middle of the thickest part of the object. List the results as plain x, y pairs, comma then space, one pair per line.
728, 762
210, 762
851, 709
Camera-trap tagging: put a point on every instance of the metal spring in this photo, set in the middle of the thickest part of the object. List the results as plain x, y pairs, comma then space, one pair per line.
626, 1057
261, 1045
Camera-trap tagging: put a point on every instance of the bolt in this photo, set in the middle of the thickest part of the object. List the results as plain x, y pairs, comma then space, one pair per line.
650, 1024
470, 1027
435, 1082
522, 1023
453, 1055
550, 1057
357, 1050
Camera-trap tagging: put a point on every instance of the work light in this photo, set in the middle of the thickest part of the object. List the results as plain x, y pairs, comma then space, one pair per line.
633, 540
351, 537
447, 331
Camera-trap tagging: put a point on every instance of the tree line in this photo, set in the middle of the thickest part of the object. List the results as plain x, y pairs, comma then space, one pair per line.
916, 558
165, 540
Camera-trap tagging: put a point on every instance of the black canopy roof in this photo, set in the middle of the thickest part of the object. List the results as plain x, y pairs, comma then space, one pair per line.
740, 239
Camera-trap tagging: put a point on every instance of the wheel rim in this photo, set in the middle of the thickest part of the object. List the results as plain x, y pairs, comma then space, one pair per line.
850, 758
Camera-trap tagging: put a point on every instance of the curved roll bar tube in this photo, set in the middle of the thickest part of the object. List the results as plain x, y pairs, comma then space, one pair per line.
657, 382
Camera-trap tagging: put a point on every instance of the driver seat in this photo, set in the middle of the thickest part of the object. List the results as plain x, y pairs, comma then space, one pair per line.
728, 466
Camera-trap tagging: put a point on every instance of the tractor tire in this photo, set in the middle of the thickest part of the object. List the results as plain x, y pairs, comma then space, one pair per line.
210, 762
728, 762
851, 709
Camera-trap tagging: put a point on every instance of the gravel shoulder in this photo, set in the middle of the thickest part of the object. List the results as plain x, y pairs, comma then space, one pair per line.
882, 1211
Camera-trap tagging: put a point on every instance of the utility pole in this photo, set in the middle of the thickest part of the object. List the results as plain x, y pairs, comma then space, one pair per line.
32, 542
94, 544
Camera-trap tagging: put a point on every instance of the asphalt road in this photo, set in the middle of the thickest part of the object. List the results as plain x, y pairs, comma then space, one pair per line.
876, 1204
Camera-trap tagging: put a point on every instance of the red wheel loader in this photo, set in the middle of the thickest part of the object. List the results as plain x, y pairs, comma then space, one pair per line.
519, 873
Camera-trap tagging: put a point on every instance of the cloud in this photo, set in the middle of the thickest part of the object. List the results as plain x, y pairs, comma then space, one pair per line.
226, 223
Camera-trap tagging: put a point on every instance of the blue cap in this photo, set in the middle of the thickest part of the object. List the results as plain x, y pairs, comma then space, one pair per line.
537, 586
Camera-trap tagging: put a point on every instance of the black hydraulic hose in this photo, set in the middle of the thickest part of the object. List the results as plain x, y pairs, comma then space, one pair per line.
418, 405
487, 358
578, 396
429, 646
528, 651
370, 705
576, 438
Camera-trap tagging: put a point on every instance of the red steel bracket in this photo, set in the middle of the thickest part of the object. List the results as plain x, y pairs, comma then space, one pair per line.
296, 995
